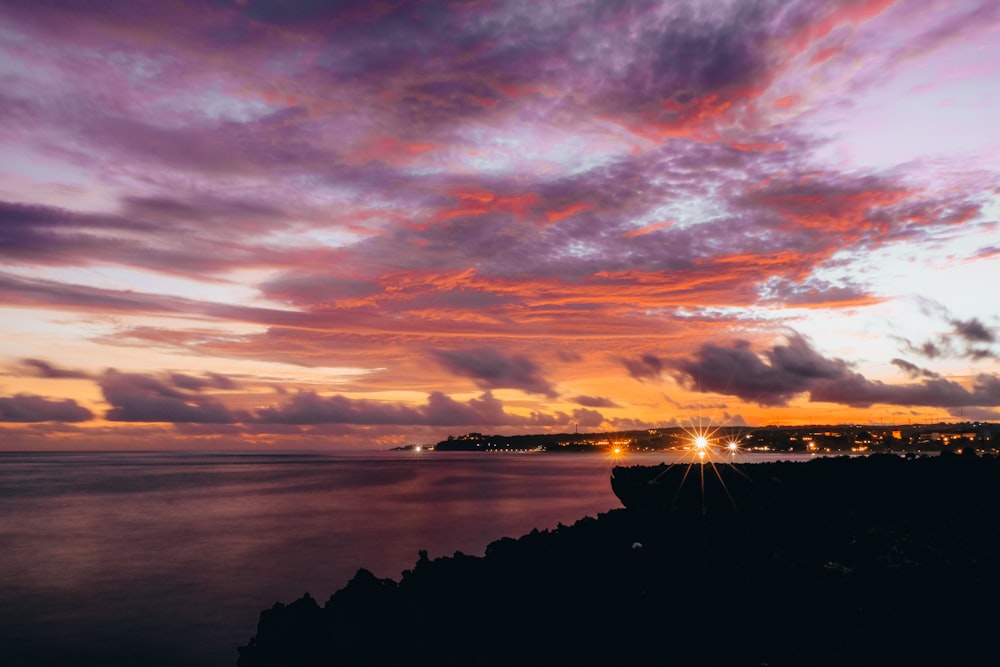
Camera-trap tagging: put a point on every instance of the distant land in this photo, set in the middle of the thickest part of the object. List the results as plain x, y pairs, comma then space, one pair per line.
983, 437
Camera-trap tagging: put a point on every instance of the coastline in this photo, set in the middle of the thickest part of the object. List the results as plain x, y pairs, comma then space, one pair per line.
893, 557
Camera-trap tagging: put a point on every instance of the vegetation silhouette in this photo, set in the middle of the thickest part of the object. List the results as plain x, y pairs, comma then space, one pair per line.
838, 561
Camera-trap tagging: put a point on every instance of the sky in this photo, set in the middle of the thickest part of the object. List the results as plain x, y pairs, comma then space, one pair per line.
367, 224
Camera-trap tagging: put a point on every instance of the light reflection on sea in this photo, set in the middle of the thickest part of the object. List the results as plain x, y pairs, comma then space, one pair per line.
168, 558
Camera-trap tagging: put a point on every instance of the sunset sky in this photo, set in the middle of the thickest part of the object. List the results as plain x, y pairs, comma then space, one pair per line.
301, 224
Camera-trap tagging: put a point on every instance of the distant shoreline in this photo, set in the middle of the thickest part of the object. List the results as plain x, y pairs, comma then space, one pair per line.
983, 437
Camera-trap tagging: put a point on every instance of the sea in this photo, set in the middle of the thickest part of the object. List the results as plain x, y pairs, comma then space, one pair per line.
168, 558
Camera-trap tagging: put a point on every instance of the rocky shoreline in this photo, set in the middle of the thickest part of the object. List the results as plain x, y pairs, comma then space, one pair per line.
839, 561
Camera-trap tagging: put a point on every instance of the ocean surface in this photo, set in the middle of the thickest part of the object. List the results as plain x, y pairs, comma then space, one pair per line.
167, 558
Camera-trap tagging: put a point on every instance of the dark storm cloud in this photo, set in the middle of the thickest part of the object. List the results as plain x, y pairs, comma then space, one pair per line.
136, 397
28, 408
493, 369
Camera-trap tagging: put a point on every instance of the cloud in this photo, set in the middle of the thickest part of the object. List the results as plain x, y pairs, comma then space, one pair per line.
508, 184
207, 381
158, 234
595, 402
44, 369
782, 372
814, 293
973, 331
493, 369
307, 407
587, 418
137, 397
912, 369
967, 339
645, 367
857, 391
975, 414
29, 408
739, 371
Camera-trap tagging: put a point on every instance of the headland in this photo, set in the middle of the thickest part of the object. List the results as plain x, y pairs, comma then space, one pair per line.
868, 560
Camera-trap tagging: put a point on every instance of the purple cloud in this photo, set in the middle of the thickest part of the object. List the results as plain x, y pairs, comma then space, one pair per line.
310, 408
912, 369
857, 391
44, 369
440, 410
973, 331
645, 367
969, 338
361, 183
739, 371
136, 397
595, 402
28, 408
207, 381
784, 371
492, 369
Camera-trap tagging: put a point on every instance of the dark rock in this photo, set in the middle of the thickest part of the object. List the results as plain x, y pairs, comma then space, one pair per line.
879, 560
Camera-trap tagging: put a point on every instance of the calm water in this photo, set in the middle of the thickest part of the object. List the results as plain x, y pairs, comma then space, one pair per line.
168, 558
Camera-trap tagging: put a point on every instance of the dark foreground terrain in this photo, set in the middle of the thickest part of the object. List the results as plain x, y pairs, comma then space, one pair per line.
868, 561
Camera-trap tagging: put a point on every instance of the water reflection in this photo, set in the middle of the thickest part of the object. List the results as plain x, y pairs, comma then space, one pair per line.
166, 558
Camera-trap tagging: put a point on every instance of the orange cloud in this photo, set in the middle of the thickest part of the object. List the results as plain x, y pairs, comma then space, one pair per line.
648, 228
567, 212
758, 147
694, 120
483, 202
389, 150
833, 210
825, 54
850, 12
788, 101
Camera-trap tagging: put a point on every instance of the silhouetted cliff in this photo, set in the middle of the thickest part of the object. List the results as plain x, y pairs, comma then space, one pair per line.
833, 562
